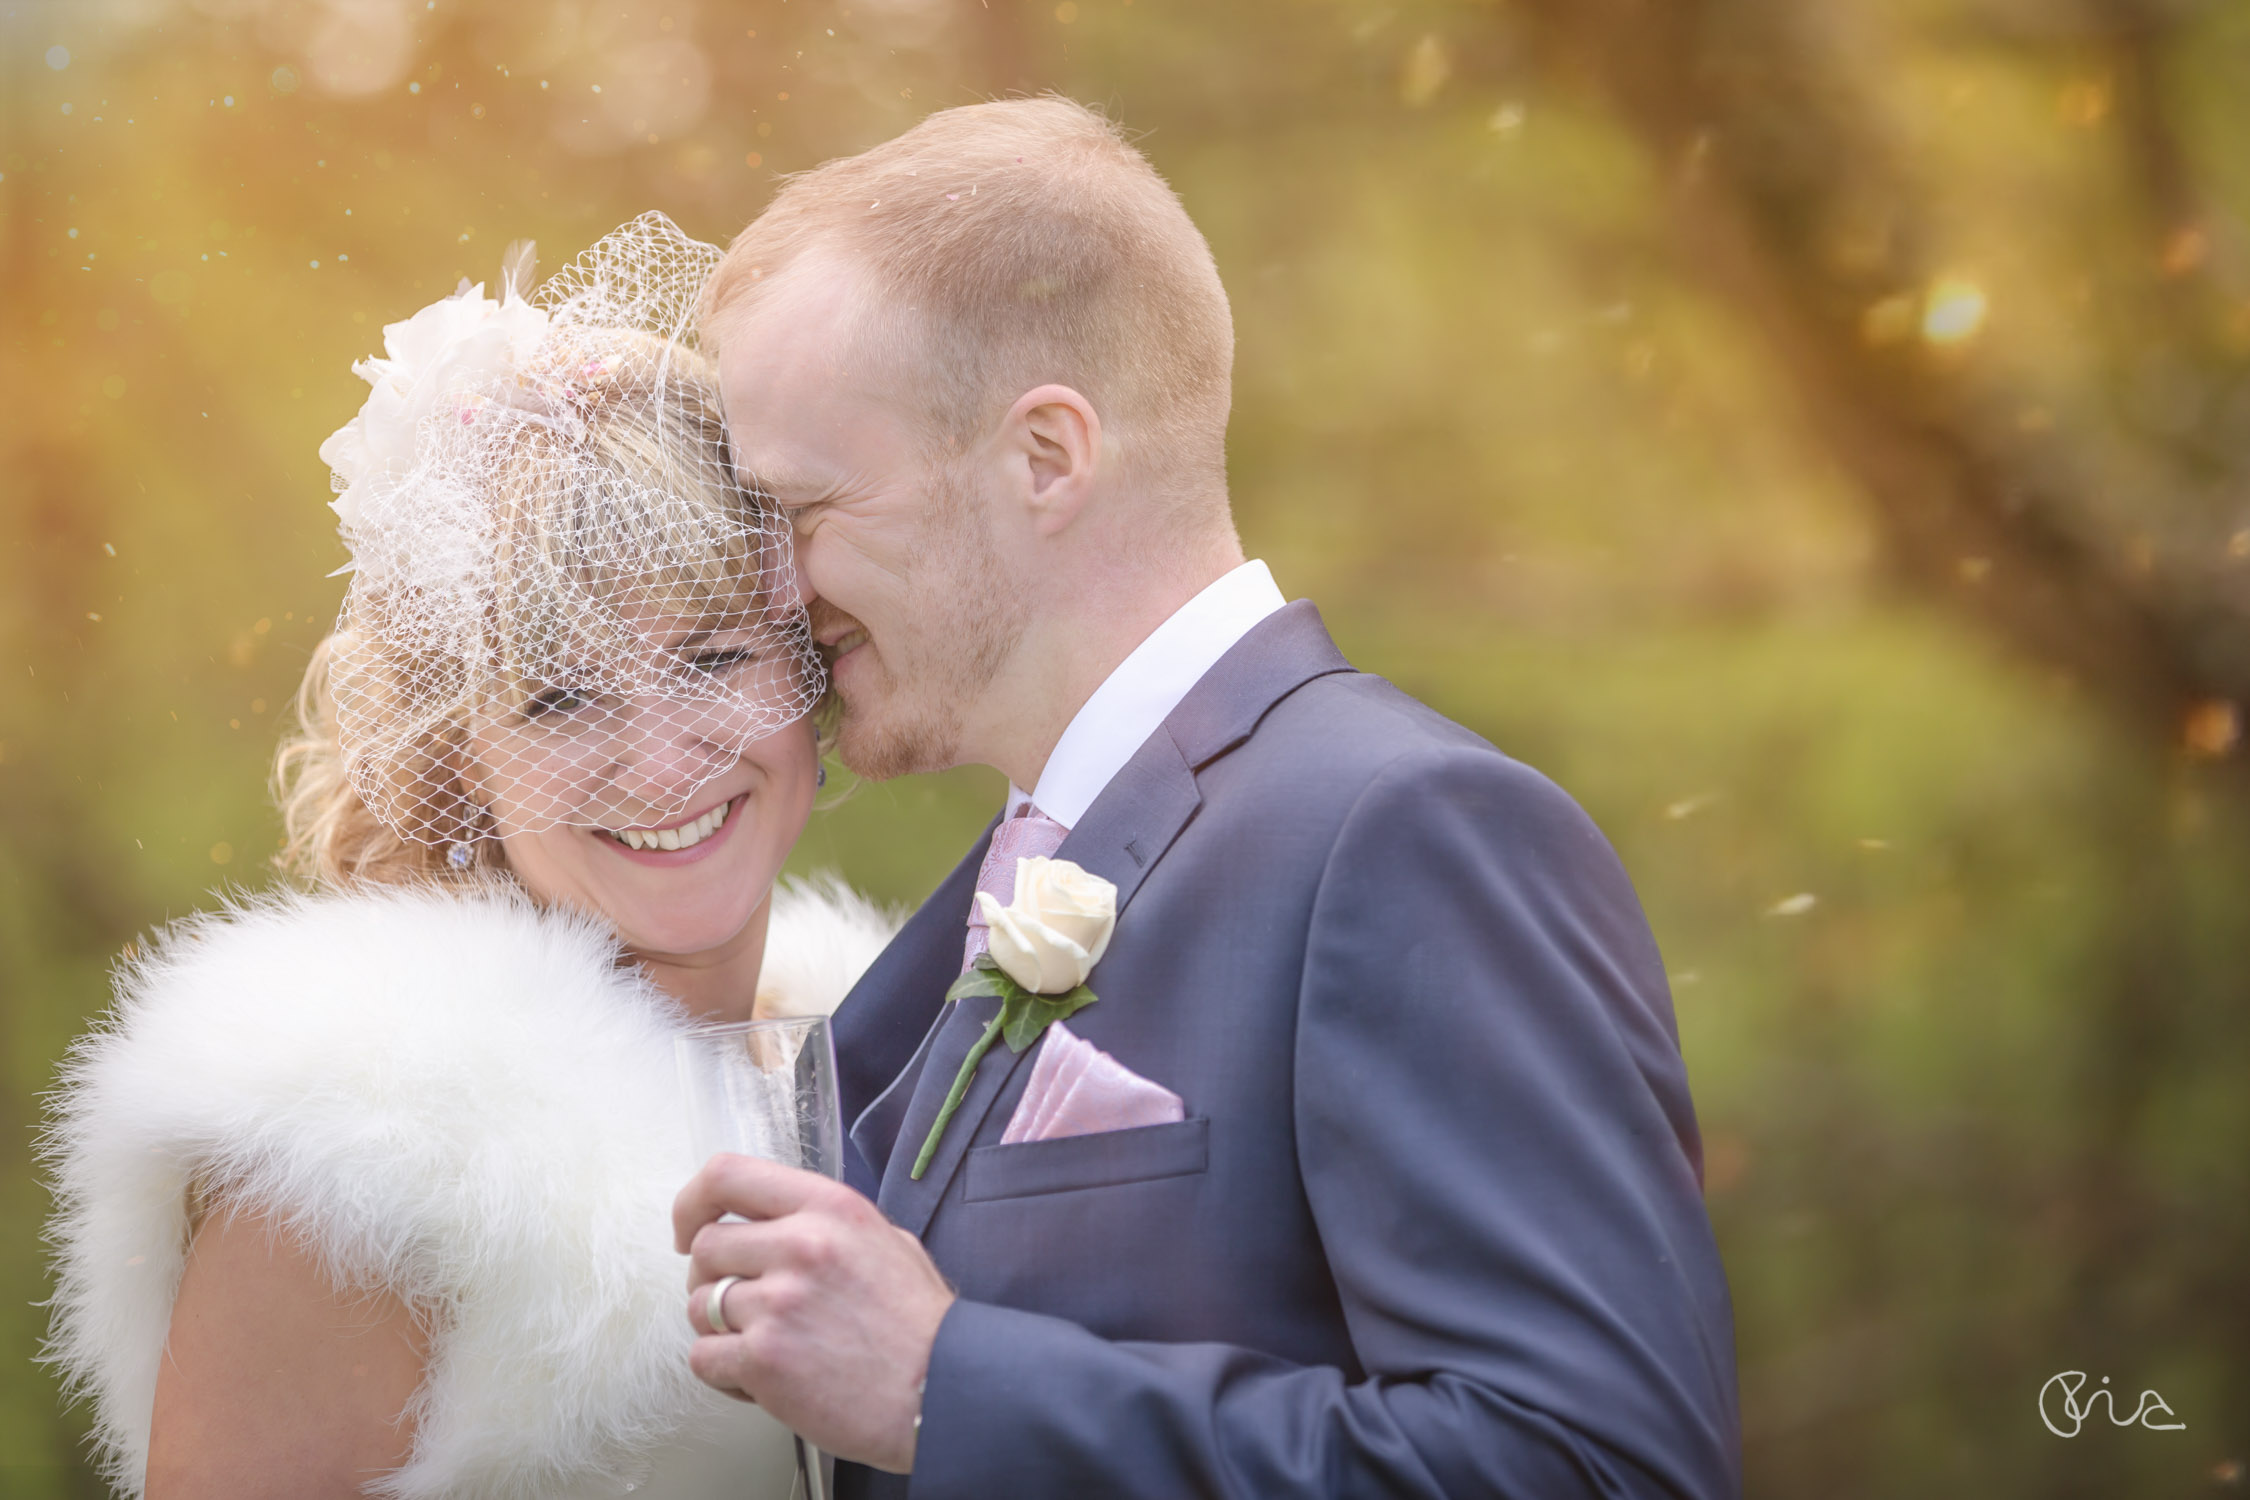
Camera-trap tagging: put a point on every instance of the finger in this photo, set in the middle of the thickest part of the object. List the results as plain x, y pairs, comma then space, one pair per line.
717, 1362
741, 1185
739, 1249
734, 1308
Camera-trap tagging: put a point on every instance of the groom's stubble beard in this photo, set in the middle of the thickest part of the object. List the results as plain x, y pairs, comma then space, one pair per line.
958, 629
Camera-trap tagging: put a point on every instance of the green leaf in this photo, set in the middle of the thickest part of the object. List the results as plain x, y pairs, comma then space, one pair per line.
975, 982
1025, 1021
1023, 1016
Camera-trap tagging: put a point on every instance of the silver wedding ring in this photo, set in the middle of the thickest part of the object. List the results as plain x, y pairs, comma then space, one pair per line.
715, 1304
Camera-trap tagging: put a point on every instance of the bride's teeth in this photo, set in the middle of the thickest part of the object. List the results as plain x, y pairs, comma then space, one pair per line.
686, 836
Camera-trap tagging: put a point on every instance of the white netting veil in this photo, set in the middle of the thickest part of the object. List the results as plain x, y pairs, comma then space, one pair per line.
566, 608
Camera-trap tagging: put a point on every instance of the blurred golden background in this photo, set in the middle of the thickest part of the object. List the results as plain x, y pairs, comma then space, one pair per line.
1814, 433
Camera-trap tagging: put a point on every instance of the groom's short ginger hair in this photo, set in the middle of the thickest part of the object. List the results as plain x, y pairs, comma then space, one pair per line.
1018, 243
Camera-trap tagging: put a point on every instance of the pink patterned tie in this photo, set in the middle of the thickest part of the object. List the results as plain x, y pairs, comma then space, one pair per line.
1030, 834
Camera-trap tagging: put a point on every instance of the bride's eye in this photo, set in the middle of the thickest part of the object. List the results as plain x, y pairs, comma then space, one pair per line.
557, 700
718, 661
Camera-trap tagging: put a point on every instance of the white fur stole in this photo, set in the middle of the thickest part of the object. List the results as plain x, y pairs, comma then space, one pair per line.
458, 1098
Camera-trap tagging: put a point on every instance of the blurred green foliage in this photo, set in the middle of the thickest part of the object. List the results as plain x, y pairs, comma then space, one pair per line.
1957, 943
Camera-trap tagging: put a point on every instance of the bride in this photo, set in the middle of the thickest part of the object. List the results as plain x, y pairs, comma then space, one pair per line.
365, 1187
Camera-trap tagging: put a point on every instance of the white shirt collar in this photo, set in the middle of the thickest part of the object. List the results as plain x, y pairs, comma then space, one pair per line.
1147, 685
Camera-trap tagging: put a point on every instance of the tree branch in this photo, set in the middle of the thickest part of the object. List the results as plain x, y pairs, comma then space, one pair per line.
1765, 150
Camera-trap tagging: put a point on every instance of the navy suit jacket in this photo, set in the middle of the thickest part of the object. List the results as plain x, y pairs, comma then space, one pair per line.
1433, 1225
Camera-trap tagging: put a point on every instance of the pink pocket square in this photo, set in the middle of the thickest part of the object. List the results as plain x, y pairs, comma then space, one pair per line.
1078, 1089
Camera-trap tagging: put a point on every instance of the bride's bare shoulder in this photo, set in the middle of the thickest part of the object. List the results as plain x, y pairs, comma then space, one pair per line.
276, 1382
423, 1086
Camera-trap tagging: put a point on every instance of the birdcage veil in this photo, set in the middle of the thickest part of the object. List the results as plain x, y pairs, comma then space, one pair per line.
565, 606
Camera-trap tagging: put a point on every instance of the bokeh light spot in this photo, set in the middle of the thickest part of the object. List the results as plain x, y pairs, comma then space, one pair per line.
2212, 728
2084, 103
2187, 248
58, 57
1429, 63
1954, 311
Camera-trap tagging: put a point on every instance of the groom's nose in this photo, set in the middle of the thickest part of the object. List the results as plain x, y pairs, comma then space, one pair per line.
795, 583
828, 622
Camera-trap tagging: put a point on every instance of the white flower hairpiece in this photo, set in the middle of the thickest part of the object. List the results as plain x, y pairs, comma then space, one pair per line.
458, 344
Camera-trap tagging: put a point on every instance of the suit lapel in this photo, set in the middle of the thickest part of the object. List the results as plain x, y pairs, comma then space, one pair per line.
888, 1018
1131, 824
909, 1202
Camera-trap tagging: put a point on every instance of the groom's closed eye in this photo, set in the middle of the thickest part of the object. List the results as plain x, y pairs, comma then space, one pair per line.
785, 487
798, 503
803, 514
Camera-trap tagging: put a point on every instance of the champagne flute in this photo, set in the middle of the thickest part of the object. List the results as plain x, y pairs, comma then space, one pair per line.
767, 1089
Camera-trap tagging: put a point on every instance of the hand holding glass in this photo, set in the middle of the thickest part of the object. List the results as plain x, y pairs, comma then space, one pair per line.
767, 1089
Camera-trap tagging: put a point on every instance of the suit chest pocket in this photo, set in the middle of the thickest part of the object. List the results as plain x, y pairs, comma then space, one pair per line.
1109, 1158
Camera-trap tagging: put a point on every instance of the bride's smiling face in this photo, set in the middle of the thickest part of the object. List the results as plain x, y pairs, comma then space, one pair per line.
654, 810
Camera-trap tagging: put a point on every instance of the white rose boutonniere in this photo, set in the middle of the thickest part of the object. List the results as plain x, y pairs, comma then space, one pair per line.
1050, 937
1044, 944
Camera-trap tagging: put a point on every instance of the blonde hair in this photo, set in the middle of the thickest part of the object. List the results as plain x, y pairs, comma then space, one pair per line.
1011, 245
652, 425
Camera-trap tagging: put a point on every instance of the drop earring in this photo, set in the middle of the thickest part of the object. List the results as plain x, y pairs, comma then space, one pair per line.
820, 775
460, 855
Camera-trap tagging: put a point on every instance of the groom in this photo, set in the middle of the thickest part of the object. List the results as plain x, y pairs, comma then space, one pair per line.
1428, 1220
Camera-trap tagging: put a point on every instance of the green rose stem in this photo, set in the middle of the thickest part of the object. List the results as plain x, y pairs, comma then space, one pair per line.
1023, 1016
960, 1087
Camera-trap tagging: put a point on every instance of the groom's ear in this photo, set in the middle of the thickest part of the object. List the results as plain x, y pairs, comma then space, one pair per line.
1051, 447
